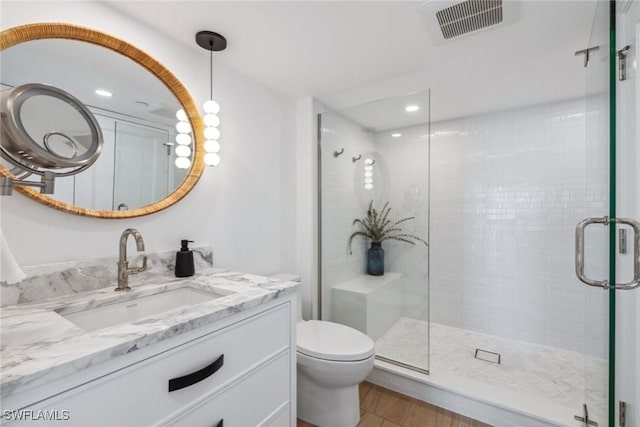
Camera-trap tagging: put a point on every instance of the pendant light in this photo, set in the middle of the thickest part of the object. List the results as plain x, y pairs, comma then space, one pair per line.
212, 42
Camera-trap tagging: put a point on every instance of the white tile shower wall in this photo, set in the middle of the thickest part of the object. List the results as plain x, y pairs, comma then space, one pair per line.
507, 191
343, 199
406, 161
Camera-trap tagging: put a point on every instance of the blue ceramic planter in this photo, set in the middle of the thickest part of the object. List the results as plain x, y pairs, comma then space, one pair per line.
375, 259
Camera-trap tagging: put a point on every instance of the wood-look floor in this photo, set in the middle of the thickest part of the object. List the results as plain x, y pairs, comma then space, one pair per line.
380, 407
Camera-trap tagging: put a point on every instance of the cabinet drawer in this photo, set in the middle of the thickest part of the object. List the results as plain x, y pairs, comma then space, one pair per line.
245, 403
138, 394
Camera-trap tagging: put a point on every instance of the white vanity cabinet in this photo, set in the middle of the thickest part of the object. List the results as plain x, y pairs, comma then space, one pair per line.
239, 374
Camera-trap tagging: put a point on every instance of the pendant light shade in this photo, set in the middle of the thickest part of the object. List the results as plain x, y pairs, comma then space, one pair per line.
182, 116
183, 139
183, 162
183, 151
183, 127
211, 120
211, 132
211, 146
212, 159
211, 107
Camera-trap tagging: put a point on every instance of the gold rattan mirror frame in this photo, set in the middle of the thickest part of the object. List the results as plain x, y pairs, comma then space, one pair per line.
23, 33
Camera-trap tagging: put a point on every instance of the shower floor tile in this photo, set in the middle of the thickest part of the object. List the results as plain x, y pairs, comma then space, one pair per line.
564, 377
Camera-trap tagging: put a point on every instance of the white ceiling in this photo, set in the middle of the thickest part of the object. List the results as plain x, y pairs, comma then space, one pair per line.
390, 113
351, 52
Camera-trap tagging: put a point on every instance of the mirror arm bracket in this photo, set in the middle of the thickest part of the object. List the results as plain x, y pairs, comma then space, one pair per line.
46, 184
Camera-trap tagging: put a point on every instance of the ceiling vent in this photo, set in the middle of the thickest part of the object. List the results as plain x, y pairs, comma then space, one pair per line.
469, 16
448, 20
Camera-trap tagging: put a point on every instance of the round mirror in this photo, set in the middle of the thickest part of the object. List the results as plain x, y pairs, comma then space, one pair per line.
134, 101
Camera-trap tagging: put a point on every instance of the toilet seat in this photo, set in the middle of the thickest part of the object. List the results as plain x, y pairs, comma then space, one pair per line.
333, 341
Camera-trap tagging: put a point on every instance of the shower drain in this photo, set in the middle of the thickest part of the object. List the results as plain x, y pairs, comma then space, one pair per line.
488, 356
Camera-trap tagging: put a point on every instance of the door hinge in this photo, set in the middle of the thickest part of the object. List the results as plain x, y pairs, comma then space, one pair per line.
622, 63
622, 241
623, 414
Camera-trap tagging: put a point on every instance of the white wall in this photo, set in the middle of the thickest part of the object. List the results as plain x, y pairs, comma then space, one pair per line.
244, 208
507, 191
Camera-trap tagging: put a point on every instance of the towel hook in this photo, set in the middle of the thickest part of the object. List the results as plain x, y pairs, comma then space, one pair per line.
355, 159
338, 153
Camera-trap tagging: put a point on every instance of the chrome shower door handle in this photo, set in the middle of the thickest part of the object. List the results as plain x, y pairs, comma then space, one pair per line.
635, 283
580, 252
636, 254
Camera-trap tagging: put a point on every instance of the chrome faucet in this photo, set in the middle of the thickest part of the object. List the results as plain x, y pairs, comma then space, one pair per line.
123, 265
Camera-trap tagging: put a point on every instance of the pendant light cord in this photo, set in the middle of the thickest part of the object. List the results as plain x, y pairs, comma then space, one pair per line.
211, 70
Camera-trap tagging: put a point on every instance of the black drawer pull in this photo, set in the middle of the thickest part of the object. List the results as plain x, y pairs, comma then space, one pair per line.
197, 376
221, 423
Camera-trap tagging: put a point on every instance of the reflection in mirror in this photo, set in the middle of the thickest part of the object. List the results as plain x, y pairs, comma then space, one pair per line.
135, 111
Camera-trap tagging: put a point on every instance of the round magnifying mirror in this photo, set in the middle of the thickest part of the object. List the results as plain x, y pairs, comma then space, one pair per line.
49, 127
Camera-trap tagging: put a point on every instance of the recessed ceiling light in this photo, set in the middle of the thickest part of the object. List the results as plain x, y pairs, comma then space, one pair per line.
104, 93
396, 135
411, 108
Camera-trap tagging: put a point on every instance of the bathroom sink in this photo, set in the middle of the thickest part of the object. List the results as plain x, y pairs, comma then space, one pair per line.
136, 307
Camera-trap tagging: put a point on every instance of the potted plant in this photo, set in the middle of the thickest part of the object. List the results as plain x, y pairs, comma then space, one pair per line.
377, 227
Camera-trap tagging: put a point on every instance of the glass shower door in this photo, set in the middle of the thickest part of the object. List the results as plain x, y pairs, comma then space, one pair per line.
596, 235
377, 155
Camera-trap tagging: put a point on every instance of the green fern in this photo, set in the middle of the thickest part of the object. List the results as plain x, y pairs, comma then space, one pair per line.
377, 227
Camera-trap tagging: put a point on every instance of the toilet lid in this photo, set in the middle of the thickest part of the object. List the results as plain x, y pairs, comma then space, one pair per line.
333, 341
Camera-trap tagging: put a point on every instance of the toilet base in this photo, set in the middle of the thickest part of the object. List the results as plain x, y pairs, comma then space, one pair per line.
327, 407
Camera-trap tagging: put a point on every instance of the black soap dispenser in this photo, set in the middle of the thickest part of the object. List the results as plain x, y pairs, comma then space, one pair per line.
184, 260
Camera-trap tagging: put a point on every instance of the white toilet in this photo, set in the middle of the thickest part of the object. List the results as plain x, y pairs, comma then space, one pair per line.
333, 359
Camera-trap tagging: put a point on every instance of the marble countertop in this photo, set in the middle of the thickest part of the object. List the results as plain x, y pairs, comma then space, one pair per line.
38, 345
